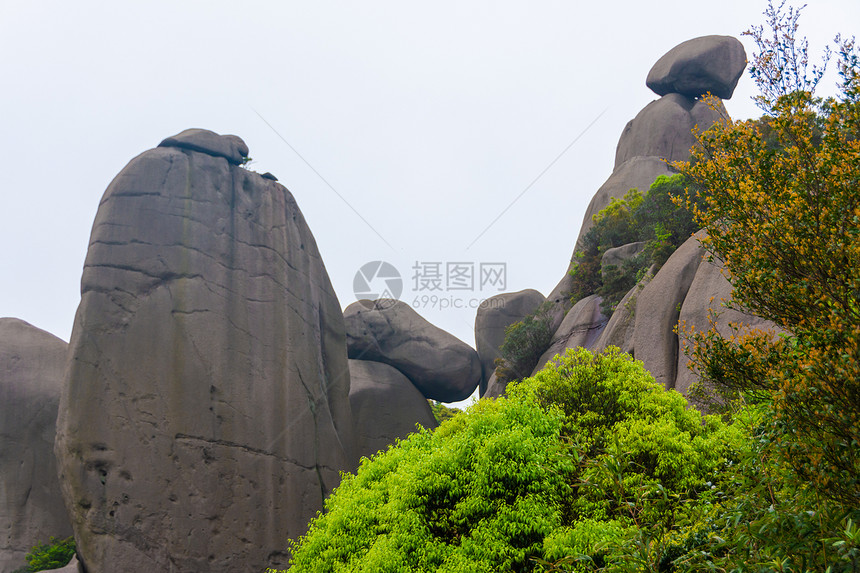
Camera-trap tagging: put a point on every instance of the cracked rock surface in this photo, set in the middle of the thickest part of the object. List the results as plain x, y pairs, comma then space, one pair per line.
206, 412
31, 377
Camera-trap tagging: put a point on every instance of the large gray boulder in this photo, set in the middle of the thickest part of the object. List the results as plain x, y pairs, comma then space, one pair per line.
31, 380
441, 366
664, 128
616, 256
708, 298
386, 406
621, 325
206, 413
658, 307
494, 315
707, 64
581, 327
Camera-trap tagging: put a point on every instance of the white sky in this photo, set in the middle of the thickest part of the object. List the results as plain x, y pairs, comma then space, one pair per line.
428, 118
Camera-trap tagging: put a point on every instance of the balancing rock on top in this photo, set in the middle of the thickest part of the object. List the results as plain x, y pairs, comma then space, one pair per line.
441, 366
205, 414
698, 66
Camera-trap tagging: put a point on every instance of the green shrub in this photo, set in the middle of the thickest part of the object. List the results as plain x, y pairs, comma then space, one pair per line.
442, 412
52, 555
531, 482
525, 341
652, 218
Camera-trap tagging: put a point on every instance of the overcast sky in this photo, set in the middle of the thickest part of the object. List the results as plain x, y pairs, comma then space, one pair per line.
427, 119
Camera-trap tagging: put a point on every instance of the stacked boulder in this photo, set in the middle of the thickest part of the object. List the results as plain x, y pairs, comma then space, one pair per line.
31, 380
205, 414
644, 322
398, 361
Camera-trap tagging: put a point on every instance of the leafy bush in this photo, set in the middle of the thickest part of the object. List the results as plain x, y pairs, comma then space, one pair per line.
785, 219
525, 483
652, 218
52, 555
442, 412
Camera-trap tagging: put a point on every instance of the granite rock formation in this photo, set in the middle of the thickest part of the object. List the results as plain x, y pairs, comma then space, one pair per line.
684, 289
441, 366
31, 380
386, 406
205, 415
494, 316
693, 68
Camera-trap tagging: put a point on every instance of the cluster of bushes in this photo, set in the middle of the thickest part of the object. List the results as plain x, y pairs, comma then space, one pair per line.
651, 218
563, 474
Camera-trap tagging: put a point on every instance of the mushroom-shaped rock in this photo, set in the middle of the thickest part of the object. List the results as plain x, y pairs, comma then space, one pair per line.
230, 147
657, 311
31, 380
206, 413
496, 314
441, 366
709, 294
707, 64
664, 128
386, 406
581, 326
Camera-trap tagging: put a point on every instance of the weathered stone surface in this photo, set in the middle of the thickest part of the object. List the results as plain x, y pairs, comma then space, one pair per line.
664, 128
619, 329
635, 173
206, 411
230, 147
706, 64
616, 256
493, 317
31, 380
581, 327
495, 388
658, 308
385, 406
73, 566
441, 366
709, 292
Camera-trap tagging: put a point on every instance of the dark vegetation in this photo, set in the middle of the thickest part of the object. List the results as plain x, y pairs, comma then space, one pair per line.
52, 555
651, 218
591, 466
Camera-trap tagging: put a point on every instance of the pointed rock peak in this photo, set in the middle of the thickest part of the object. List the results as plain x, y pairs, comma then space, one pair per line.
706, 64
230, 147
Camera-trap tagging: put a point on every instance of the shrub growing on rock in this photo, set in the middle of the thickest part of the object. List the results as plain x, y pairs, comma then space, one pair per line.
652, 218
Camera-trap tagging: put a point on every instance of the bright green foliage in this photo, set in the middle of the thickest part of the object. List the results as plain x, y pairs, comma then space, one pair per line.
525, 341
652, 218
442, 412
529, 482
478, 494
52, 555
